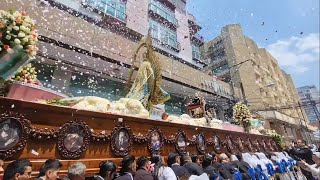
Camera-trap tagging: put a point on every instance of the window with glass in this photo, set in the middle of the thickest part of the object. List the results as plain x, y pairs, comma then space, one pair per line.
163, 11
175, 105
91, 85
218, 52
221, 68
114, 8
195, 51
163, 34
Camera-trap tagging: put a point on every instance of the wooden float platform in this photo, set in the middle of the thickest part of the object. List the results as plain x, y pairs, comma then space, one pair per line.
44, 127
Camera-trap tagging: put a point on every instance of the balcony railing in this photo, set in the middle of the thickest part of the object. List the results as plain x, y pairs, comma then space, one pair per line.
197, 38
170, 17
169, 3
165, 41
108, 9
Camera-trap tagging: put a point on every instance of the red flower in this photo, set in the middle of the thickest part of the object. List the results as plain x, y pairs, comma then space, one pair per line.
34, 36
23, 13
0, 34
34, 27
6, 46
1, 24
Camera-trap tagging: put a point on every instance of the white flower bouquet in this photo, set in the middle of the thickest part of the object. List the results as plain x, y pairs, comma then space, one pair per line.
18, 41
242, 115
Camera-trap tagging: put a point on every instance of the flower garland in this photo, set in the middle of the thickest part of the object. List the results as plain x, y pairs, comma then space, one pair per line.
17, 31
242, 114
27, 74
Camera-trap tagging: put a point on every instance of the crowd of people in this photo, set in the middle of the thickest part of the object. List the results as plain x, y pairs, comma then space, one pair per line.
297, 162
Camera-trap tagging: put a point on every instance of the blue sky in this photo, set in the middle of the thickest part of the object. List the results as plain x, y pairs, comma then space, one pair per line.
290, 31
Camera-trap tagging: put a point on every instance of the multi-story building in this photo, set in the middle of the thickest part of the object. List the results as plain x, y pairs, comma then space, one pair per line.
266, 89
310, 99
87, 46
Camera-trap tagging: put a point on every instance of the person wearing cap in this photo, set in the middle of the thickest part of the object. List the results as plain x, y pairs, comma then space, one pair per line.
313, 168
128, 168
143, 172
174, 163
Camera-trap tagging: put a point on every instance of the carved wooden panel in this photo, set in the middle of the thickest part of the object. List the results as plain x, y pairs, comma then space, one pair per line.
121, 140
14, 133
155, 140
73, 139
201, 143
181, 142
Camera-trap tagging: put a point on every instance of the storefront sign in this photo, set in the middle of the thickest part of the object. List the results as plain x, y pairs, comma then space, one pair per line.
216, 87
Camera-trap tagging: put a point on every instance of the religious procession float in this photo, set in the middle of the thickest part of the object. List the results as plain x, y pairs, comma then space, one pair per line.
37, 123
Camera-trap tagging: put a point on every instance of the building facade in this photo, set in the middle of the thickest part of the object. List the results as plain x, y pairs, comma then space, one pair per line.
266, 89
87, 46
310, 99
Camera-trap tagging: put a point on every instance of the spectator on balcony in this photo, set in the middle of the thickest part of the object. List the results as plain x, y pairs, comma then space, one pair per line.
49, 170
19, 169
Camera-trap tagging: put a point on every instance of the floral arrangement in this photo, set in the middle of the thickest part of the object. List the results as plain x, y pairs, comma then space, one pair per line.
242, 115
124, 106
276, 137
17, 31
26, 74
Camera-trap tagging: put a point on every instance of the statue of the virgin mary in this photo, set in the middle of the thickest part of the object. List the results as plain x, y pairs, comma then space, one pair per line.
147, 84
